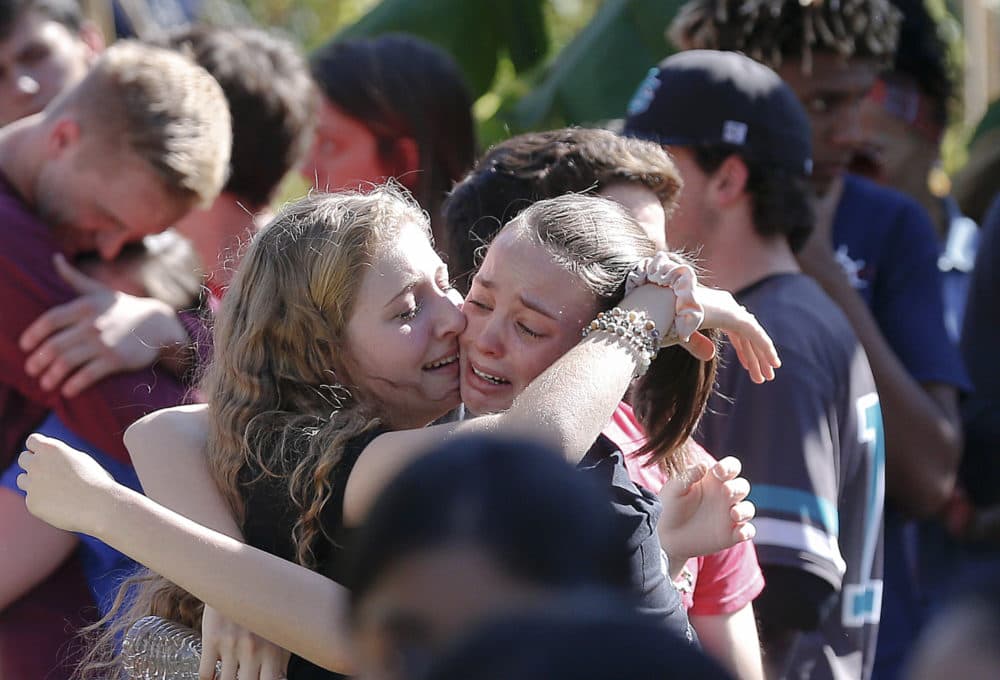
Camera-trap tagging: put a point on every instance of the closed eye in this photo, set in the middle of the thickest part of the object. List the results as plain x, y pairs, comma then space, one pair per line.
479, 304
410, 313
527, 331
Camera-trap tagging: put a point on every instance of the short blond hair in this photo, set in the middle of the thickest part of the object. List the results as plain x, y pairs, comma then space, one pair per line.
164, 108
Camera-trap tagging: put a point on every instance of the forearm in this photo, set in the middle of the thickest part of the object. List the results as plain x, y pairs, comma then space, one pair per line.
567, 406
289, 605
571, 402
30, 550
923, 441
732, 640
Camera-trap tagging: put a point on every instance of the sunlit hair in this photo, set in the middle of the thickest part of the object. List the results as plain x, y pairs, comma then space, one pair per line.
536, 165
597, 241
773, 31
162, 107
279, 409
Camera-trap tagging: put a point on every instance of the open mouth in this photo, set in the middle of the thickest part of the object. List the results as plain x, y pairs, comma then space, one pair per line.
441, 363
489, 378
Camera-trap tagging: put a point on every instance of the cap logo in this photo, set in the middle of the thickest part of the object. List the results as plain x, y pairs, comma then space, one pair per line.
734, 132
643, 97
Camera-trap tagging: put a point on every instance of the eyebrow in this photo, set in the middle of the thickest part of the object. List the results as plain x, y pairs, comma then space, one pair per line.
410, 285
531, 304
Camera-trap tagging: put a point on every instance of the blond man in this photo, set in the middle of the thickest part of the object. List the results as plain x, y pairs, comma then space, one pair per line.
140, 141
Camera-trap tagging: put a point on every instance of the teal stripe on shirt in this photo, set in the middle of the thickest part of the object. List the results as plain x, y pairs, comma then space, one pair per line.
818, 511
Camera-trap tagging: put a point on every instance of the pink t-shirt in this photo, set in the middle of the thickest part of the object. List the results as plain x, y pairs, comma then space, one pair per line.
721, 583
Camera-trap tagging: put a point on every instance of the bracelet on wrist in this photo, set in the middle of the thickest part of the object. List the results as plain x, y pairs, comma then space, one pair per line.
636, 330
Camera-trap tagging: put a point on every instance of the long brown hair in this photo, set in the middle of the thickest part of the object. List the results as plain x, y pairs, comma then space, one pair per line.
278, 408
599, 242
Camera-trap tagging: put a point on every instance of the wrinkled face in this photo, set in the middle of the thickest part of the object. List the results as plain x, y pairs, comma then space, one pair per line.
644, 205
402, 337
344, 153
832, 96
425, 602
40, 59
97, 199
524, 312
693, 217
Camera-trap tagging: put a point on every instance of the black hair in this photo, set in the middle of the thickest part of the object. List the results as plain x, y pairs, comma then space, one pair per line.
771, 31
579, 639
538, 165
922, 56
271, 98
781, 205
400, 86
543, 522
65, 12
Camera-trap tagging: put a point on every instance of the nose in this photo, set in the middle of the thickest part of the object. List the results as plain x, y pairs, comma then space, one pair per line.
452, 321
488, 337
847, 131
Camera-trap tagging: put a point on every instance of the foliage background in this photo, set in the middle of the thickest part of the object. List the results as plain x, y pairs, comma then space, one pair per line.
533, 64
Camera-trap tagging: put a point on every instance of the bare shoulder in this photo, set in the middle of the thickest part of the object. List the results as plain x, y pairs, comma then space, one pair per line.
180, 426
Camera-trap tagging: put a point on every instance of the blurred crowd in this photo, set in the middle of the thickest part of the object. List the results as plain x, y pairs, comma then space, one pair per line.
704, 392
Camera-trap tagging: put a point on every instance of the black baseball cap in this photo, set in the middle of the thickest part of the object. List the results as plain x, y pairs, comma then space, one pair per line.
711, 97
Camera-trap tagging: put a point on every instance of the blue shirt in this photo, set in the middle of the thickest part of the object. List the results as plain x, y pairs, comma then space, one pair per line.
888, 246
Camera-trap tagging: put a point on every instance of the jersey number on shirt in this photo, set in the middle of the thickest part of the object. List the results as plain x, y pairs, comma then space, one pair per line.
863, 601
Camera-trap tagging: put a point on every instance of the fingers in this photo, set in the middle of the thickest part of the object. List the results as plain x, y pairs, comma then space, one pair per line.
727, 468
209, 657
229, 669
91, 373
54, 320
58, 358
743, 512
25, 460
81, 282
737, 489
37, 442
744, 532
273, 668
682, 483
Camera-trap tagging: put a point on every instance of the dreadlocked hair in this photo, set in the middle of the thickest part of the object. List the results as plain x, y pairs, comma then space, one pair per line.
280, 415
771, 31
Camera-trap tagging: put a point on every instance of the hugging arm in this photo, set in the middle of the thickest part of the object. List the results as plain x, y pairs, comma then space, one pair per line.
290, 605
168, 451
571, 401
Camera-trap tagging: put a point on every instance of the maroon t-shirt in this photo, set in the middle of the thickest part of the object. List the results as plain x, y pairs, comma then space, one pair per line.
29, 286
39, 628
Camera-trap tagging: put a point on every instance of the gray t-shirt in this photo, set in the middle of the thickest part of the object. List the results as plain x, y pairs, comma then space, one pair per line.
811, 446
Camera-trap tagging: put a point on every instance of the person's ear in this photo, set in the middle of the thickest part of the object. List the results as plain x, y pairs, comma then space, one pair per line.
405, 160
729, 181
92, 37
64, 135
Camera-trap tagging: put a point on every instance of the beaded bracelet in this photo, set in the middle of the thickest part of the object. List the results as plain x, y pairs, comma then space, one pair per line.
636, 329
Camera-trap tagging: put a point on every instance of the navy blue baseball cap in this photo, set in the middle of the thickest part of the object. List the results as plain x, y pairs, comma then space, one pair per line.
710, 97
